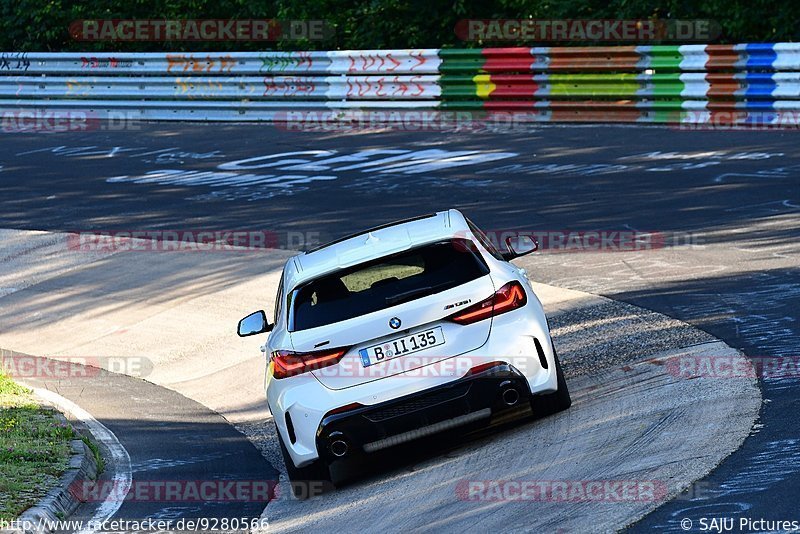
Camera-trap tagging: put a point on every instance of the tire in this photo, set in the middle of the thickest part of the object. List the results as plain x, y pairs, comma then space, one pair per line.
557, 401
307, 481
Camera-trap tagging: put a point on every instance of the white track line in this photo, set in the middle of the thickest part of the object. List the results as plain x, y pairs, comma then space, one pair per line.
120, 456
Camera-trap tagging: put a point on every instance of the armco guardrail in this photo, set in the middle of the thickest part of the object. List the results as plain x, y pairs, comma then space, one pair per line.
752, 83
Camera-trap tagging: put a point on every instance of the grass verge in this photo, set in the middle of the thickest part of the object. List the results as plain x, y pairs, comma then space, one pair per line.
98, 457
34, 449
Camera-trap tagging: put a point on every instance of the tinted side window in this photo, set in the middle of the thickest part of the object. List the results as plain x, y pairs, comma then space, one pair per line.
278, 302
484, 240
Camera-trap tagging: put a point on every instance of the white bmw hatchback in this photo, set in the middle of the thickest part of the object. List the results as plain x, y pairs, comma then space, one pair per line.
400, 332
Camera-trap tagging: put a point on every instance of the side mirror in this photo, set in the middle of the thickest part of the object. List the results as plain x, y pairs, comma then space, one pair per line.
524, 244
255, 323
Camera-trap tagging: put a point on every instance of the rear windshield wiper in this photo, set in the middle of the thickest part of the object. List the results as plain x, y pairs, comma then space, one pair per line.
414, 293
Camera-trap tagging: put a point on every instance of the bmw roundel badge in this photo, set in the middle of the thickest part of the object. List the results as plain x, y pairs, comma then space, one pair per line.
395, 323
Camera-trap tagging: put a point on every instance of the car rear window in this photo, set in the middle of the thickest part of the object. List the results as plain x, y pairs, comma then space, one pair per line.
385, 282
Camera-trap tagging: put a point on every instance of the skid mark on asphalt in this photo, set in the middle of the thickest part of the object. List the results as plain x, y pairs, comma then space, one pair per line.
653, 431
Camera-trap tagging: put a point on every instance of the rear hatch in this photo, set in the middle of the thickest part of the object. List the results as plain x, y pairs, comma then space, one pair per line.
391, 312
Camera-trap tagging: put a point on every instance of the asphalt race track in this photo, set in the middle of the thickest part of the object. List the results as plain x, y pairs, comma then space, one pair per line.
726, 204
170, 439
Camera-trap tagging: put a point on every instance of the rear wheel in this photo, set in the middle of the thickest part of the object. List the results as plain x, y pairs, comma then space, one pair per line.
307, 481
558, 401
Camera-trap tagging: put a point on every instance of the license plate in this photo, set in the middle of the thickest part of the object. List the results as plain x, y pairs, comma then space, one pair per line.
402, 346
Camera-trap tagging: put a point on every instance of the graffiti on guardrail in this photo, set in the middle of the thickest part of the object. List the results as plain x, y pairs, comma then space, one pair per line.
94, 62
202, 89
290, 61
289, 86
724, 86
16, 61
385, 86
78, 87
369, 62
190, 63
378, 62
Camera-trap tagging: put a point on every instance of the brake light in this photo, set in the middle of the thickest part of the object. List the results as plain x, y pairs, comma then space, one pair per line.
288, 363
509, 297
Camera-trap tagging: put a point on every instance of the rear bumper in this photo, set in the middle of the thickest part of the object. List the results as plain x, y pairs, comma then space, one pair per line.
472, 400
308, 403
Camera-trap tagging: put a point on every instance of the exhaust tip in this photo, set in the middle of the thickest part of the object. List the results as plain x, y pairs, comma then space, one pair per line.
510, 396
339, 448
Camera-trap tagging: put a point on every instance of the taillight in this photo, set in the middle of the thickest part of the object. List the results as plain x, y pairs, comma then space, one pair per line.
288, 363
509, 297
